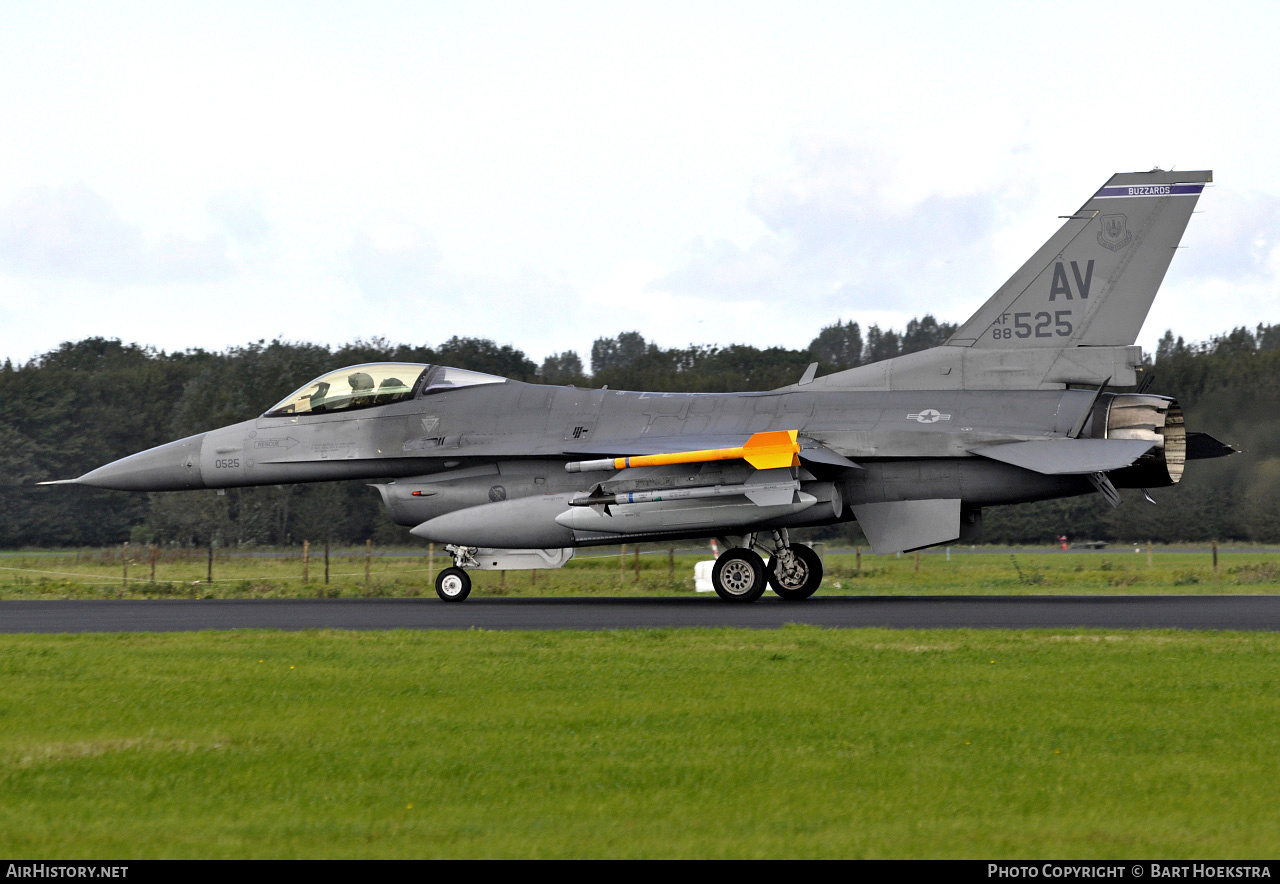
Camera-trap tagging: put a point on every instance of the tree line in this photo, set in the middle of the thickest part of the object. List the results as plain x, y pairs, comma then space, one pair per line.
87, 403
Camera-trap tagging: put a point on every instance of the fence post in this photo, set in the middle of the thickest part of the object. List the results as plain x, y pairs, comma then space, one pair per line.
209, 575
326, 564
623, 560
153, 563
859, 561
124, 554
368, 556
306, 561
1215, 557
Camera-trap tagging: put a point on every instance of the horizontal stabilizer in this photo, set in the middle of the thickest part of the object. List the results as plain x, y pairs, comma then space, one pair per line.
904, 525
1068, 457
1201, 446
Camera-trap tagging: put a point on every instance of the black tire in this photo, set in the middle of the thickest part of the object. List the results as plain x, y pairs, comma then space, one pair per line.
801, 586
739, 576
453, 584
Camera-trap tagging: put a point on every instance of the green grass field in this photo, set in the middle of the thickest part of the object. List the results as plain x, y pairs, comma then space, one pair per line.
184, 573
658, 743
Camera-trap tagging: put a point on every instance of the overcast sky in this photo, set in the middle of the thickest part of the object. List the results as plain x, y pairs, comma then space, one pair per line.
542, 174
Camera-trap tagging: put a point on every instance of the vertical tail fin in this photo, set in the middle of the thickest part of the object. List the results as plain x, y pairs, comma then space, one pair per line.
1093, 282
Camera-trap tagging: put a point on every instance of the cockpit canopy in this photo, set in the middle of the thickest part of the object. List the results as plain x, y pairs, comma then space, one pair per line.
375, 383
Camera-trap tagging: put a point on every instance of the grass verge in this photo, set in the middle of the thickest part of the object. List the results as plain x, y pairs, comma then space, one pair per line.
596, 572
653, 743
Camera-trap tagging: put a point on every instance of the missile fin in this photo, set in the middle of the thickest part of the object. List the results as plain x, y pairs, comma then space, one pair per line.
772, 496
774, 487
773, 449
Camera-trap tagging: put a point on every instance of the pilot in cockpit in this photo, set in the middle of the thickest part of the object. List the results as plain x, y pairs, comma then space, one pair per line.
391, 390
361, 388
316, 396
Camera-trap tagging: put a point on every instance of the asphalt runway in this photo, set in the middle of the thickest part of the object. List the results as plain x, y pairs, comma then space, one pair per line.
923, 612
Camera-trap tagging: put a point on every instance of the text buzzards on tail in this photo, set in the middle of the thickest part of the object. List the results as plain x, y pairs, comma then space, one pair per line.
1013, 408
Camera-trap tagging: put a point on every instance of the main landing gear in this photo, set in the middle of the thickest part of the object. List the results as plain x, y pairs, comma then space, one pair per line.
794, 571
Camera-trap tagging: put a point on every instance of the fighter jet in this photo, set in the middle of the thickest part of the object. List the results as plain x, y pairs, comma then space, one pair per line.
1014, 407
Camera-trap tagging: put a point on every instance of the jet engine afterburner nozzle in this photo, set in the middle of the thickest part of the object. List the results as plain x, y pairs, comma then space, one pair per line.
1155, 419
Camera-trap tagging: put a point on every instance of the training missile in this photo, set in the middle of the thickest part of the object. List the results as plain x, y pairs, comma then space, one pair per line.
764, 451
718, 515
759, 493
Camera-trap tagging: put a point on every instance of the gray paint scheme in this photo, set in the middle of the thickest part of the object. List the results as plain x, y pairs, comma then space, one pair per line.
905, 525
1059, 457
912, 447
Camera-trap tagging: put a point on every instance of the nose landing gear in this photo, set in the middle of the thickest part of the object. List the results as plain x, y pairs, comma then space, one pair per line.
454, 584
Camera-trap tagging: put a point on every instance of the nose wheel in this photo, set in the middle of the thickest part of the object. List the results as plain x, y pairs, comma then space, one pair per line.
453, 584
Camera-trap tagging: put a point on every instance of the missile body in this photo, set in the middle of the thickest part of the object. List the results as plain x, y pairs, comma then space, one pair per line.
682, 515
760, 493
764, 451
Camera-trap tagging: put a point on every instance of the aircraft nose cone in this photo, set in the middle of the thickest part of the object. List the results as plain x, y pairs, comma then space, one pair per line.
171, 467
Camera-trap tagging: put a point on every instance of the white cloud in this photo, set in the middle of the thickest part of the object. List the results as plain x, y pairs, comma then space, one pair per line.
73, 233
401, 278
240, 214
842, 240
553, 173
1234, 238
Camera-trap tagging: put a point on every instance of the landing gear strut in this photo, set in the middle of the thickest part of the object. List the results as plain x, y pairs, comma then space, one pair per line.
795, 571
454, 584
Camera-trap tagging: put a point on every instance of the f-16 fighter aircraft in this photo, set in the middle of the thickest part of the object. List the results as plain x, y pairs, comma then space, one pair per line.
1014, 407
